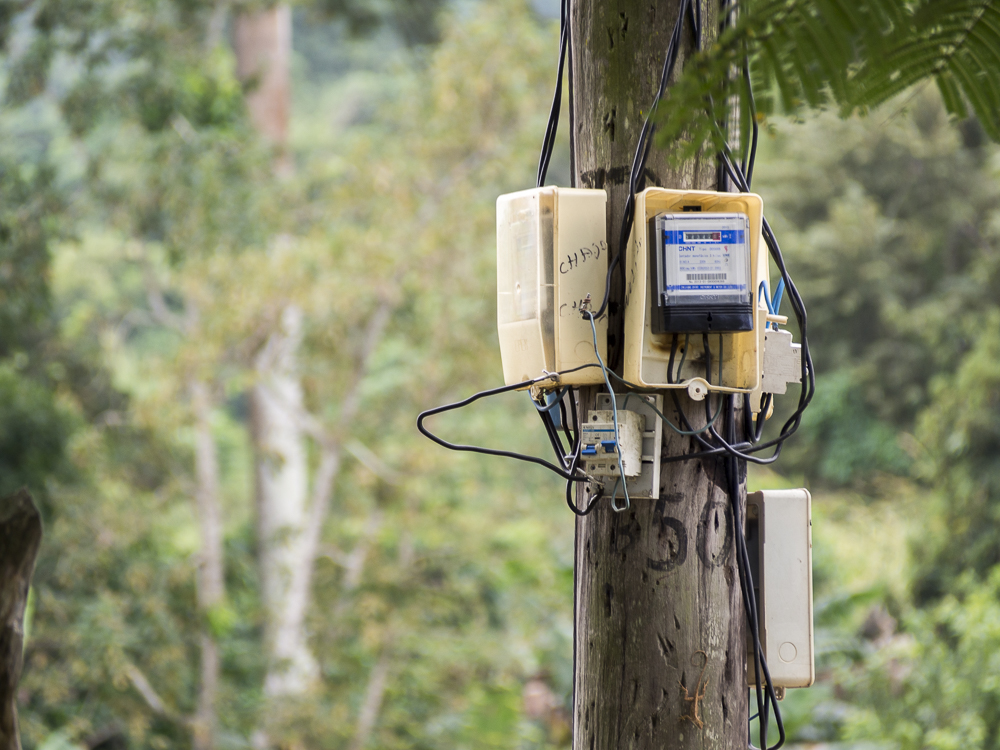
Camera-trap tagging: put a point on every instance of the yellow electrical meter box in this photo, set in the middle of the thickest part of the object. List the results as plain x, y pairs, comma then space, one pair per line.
694, 267
551, 253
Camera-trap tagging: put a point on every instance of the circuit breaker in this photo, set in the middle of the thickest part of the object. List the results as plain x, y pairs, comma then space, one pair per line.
551, 253
700, 272
599, 448
779, 544
644, 484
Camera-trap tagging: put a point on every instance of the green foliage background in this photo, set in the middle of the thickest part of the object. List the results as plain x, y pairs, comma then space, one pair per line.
126, 157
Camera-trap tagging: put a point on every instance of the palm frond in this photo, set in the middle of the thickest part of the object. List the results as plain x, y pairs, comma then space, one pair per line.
854, 54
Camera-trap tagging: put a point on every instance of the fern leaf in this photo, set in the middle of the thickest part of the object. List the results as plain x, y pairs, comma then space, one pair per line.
857, 53
951, 95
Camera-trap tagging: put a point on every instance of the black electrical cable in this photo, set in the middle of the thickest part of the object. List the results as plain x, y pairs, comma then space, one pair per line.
729, 446
573, 465
751, 156
753, 429
736, 174
564, 418
491, 451
585, 511
807, 374
554, 404
641, 154
743, 568
548, 142
554, 439
670, 363
708, 359
764, 689
545, 412
808, 381
807, 371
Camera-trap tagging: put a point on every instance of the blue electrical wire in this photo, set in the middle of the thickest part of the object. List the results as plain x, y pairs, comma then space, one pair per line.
762, 291
780, 290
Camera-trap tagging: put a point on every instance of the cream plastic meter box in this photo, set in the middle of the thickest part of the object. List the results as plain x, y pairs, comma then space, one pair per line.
779, 543
551, 253
647, 354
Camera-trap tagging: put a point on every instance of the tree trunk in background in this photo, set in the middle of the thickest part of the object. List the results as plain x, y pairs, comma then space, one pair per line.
211, 586
263, 60
20, 536
282, 487
658, 617
263, 54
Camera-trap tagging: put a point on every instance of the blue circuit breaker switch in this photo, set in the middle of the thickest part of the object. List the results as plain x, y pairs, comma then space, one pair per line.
600, 449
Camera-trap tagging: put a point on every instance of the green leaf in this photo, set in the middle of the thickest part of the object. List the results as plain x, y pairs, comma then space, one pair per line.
806, 52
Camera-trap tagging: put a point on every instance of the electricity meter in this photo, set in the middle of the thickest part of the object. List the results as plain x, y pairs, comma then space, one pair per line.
551, 253
694, 269
701, 272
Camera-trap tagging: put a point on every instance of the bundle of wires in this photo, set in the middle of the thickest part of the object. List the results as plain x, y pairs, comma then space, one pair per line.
559, 409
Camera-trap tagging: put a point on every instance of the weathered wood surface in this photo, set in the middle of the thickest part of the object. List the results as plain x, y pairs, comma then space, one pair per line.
660, 653
20, 536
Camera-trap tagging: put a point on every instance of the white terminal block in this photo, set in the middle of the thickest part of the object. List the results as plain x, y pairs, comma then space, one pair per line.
779, 544
782, 362
599, 448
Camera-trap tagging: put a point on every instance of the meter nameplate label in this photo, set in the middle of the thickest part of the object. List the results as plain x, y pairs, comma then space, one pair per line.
704, 260
705, 257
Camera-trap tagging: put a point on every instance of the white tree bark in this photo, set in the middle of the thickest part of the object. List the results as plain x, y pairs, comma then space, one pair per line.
281, 491
210, 581
263, 43
291, 557
372, 704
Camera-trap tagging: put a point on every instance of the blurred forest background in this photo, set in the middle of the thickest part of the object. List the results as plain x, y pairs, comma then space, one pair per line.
197, 318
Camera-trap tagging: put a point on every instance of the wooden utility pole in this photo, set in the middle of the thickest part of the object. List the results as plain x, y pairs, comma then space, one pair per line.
660, 648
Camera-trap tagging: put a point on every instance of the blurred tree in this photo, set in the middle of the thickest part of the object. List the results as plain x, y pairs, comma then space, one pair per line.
417, 22
811, 53
901, 280
434, 593
936, 686
897, 273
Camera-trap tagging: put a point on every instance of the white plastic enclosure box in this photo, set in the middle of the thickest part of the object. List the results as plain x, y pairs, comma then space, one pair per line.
779, 543
551, 253
647, 354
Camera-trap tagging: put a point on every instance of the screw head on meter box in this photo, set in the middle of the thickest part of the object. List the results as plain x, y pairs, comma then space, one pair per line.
701, 273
